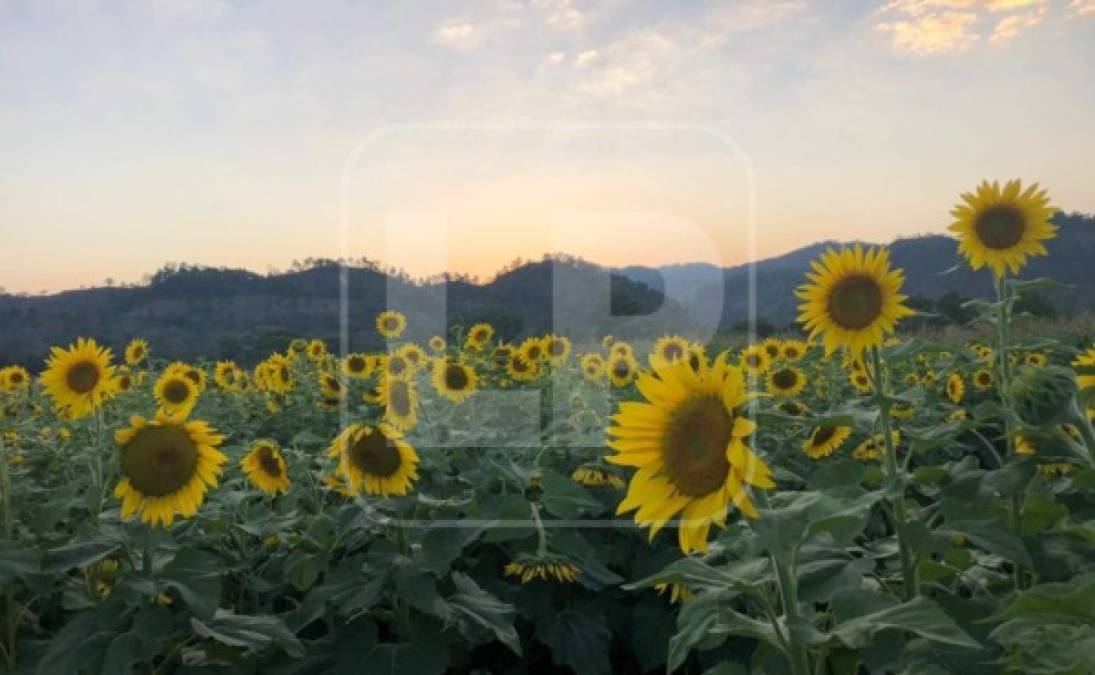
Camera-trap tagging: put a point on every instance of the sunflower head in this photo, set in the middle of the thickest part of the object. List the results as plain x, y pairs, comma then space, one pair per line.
543, 566
136, 351
400, 399
1001, 227
826, 439
622, 370
375, 460
557, 347
956, 388
391, 323
454, 380
688, 442
786, 381
437, 343
479, 336
14, 377
358, 365
521, 369
167, 465
593, 366
175, 393
266, 468
755, 359
793, 350
669, 349
982, 379
79, 379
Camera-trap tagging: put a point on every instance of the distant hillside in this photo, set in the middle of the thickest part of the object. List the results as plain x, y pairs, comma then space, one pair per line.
925, 259
223, 313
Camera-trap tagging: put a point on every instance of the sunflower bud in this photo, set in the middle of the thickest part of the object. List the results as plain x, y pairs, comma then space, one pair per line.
1042, 396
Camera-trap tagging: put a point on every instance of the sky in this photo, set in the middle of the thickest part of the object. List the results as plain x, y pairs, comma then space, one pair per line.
456, 136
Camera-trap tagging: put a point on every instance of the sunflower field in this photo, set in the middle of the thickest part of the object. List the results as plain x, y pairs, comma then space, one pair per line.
841, 500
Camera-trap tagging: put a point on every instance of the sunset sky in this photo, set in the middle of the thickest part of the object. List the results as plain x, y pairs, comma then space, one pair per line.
438, 135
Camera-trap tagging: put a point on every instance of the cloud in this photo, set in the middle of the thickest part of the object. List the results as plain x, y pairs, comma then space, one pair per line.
1083, 7
585, 58
457, 35
561, 13
926, 27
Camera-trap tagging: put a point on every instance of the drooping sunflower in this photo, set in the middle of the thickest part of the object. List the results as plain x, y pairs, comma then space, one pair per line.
521, 369
376, 460
1084, 365
956, 388
175, 393
592, 475
668, 349
400, 399
793, 350
853, 299
358, 366
391, 323
557, 347
454, 380
795, 408
622, 370
787, 381
544, 566
276, 374
824, 440
298, 346
593, 366
79, 379
982, 380
479, 336
167, 466
136, 352
755, 359
1001, 228
688, 442
266, 468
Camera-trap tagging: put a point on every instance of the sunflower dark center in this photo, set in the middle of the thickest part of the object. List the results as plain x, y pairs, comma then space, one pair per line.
785, 379
16, 378
269, 463
374, 455
984, 378
534, 352
519, 365
456, 378
822, 435
391, 323
694, 445
176, 392
124, 382
855, 302
138, 352
773, 350
1000, 227
621, 368
752, 360
790, 352
356, 363
160, 460
82, 377
396, 365
399, 398
672, 352
283, 373
194, 376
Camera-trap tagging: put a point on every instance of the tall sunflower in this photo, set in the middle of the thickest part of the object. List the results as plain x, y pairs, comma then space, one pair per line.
437, 343
358, 366
227, 375
787, 381
688, 442
167, 466
1001, 228
391, 323
375, 460
317, 349
479, 336
755, 359
400, 399
175, 393
79, 379
136, 351
454, 380
557, 347
266, 468
853, 299
622, 370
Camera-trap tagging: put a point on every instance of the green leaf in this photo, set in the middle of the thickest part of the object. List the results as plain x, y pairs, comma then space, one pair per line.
196, 575
443, 544
17, 561
708, 616
992, 535
79, 647
578, 640
78, 554
405, 659
566, 499
698, 575
795, 517
255, 633
1074, 600
472, 605
920, 616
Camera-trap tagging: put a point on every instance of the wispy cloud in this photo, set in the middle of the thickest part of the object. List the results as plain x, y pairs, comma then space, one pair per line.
946, 26
457, 35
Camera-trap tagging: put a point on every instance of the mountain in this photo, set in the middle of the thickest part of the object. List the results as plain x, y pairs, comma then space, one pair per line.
187, 312
933, 269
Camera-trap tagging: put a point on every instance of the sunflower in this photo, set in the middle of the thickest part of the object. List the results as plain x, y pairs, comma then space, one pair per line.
521, 369
532, 349
192, 373
317, 349
697, 356
358, 366
123, 382
607, 341
227, 375
265, 467
982, 380
79, 379
437, 343
755, 359
787, 381
622, 370
414, 355
956, 388
1023, 446
396, 365
824, 440
557, 348
1000, 228
621, 348
1084, 365
331, 387
14, 377
794, 408
902, 410
167, 465
772, 347
501, 355
668, 349
793, 350
862, 382
276, 374
400, 400
136, 351
592, 475
853, 299
677, 592
872, 447
453, 380
391, 323
688, 443
593, 366
375, 460
175, 393
543, 566
479, 336
1035, 359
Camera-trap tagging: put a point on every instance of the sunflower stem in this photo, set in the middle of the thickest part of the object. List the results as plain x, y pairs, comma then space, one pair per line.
895, 478
10, 613
788, 593
541, 547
